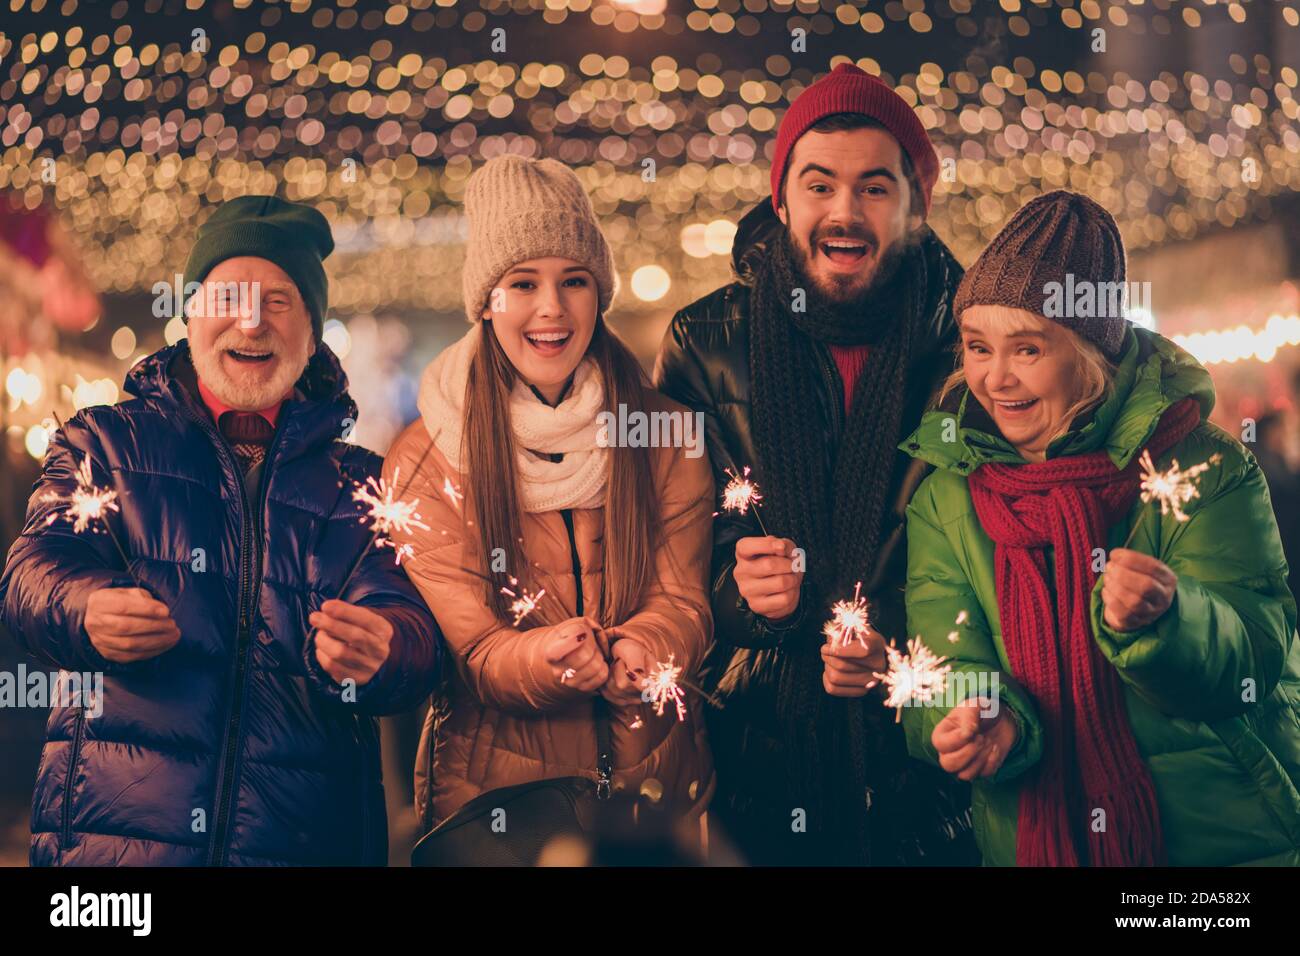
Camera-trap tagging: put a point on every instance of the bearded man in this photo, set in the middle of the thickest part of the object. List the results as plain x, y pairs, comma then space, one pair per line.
241, 678
810, 368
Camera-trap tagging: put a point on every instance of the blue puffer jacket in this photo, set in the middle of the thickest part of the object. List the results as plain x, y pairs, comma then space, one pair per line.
234, 746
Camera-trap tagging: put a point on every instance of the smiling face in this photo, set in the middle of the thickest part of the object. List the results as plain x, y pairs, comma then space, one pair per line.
1027, 372
848, 208
545, 320
249, 359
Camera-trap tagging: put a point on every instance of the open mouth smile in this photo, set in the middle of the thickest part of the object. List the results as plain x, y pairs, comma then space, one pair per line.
1017, 407
844, 252
244, 357
549, 342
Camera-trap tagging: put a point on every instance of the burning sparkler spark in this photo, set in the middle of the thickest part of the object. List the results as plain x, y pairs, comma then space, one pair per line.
87, 503
1173, 488
524, 602
740, 494
915, 677
385, 514
661, 686
850, 620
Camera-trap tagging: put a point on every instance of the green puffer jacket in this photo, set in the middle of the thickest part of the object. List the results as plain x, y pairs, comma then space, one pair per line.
1226, 764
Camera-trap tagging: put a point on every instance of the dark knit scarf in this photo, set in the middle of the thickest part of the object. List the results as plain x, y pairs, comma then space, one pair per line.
1068, 505
834, 514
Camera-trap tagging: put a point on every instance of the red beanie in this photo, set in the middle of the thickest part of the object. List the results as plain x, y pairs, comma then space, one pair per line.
850, 89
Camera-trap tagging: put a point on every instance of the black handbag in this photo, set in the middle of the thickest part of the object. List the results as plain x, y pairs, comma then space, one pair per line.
510, 826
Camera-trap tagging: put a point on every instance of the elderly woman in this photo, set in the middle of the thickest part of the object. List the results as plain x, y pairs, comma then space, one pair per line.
1115, 702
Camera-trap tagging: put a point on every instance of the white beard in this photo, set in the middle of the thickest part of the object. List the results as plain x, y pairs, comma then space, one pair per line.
251, 391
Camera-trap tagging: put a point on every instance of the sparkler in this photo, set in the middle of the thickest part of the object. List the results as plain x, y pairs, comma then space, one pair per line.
915, 677
87, 509
524, 602
389, 512
850, 620
740, 494
662, 685
1173, 488
388, 515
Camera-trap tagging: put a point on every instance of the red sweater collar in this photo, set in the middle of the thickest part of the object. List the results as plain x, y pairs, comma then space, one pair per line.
217, 408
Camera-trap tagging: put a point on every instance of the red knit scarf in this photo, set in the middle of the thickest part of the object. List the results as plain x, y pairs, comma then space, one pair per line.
1068, 505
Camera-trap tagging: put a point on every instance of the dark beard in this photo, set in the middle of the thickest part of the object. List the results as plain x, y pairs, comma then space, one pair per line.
857, 302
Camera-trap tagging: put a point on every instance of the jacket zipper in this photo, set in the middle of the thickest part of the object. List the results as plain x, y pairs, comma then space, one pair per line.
77, 732
831, 377
604, 761
247, 592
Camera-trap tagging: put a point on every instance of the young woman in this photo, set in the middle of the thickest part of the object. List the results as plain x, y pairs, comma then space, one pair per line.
618, 537
1115, 702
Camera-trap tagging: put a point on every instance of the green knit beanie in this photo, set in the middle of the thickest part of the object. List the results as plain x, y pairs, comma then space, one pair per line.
294, 236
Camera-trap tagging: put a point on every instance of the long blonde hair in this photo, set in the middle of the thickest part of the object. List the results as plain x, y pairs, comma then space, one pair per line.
632, 523
1092, 369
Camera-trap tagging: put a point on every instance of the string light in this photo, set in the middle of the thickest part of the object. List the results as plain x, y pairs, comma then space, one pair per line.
356, 118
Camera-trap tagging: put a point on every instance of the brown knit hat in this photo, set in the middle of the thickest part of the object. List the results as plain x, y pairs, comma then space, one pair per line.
520, 209
1060, 257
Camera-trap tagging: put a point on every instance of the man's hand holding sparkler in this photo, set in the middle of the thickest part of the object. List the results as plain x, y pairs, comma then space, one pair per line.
351, 642
972, 744
1136, 589
127, 625
849, 668
766, 578
575, 654
854, 650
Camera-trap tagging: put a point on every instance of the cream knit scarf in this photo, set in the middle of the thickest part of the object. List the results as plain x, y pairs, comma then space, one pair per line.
576, 481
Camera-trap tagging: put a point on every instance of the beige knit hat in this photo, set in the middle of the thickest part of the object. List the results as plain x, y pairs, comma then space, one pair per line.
521, 209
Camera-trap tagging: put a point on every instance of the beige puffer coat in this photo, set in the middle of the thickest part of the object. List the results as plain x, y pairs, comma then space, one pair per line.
503, 718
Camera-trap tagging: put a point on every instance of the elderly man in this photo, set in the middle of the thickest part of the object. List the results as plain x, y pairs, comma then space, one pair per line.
241, 678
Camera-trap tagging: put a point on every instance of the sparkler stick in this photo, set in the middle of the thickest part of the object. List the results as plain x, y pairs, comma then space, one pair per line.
1173, 488
740, 494
917, 676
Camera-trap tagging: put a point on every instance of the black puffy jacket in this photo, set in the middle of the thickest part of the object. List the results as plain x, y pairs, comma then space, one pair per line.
704, 364
233, 746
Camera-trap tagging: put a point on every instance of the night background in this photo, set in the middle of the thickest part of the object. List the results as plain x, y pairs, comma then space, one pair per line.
123, 124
